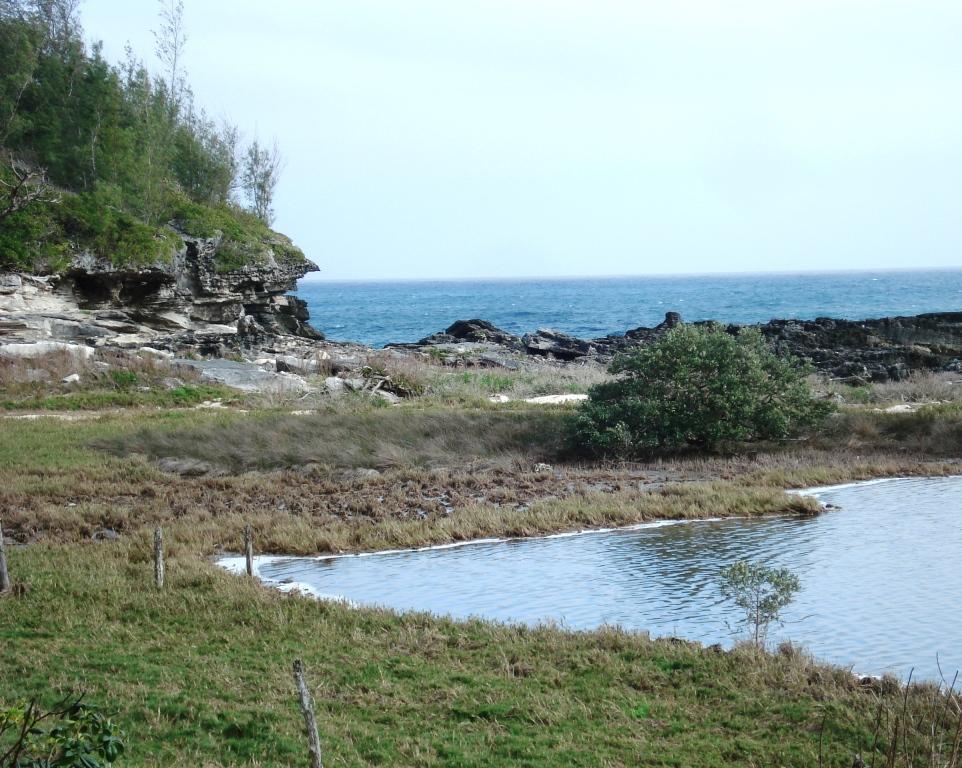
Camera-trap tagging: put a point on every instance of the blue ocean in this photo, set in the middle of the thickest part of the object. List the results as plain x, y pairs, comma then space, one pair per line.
377, 313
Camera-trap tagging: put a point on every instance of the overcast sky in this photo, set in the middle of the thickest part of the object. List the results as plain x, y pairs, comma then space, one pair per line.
500, 138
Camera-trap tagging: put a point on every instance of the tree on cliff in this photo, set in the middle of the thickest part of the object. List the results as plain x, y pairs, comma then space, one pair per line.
102, 158
171, 39
262, 170
698, 386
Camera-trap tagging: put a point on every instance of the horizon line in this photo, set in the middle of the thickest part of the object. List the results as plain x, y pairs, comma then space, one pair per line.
652, 275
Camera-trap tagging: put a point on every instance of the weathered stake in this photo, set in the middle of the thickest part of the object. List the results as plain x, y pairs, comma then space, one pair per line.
159, 557
307, 708
5, 585
249, 549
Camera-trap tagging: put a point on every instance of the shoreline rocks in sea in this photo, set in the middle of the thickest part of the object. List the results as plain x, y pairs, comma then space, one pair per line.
883, 349
193, 308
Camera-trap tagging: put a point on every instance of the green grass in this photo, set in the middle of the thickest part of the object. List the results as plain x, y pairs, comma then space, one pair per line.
199, 674
92, 400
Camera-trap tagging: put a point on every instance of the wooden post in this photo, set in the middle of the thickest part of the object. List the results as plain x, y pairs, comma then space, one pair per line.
5, 585
307, 708
249, 549
159, 557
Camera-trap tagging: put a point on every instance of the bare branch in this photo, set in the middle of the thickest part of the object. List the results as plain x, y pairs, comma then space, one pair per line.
26, 186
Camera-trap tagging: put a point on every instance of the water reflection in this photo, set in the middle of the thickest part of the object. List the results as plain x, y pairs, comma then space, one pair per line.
881, 586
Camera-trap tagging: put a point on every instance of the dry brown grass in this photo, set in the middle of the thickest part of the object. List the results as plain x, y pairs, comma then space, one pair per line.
110, 378
378, 438
55, 486
920, 388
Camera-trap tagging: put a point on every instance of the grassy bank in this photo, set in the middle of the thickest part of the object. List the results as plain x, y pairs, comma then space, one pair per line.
199, 675
373, 478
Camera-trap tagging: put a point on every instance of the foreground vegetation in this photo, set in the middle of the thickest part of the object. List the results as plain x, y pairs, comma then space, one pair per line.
198, 674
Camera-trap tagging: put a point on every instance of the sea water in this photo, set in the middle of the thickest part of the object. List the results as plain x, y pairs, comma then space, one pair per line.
377, 313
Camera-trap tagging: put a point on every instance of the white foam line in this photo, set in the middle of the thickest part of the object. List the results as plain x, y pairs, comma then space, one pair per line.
818, 490
236, 564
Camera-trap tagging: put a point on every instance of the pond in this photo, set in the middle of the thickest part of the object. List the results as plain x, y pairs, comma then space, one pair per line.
881, 577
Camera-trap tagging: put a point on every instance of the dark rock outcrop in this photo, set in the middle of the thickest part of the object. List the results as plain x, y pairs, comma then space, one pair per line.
872, 350
475, 331
560, 346
882, 349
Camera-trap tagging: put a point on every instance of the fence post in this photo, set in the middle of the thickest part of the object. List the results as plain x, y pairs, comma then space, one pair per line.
307, 708
159, 557
249, 549
5, 585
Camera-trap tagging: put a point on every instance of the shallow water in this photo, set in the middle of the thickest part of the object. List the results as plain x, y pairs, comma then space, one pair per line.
881, 577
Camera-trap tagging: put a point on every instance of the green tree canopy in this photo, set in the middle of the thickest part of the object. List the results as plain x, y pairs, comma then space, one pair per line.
698, 386
87, 129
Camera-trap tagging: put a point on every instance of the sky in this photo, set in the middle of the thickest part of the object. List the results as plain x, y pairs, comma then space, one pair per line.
508, 138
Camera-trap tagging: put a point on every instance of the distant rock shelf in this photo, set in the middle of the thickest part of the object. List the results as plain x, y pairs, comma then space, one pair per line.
883, 349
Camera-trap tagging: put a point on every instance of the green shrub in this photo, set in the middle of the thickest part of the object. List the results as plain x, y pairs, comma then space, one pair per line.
490, 383
25, 241
70, 735
698, 386
123, 379
245, 238
97, 221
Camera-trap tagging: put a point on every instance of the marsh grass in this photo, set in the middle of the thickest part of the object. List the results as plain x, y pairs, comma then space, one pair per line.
109, 379
362, 437
377, 477
920, 387
54, 487
199, 675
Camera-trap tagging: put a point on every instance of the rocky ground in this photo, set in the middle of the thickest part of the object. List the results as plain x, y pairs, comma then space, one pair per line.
877, 350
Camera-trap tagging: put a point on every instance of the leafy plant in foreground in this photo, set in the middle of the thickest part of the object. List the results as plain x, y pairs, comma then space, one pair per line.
70, 735
761, 592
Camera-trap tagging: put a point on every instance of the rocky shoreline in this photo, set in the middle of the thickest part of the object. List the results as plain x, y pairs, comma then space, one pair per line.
191, 308
854, 351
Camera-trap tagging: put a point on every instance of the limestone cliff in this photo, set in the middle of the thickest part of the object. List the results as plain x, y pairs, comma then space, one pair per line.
189, 300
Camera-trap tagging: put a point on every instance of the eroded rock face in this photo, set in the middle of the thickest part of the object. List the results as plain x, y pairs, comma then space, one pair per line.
852, 350
188, 300
888, 348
